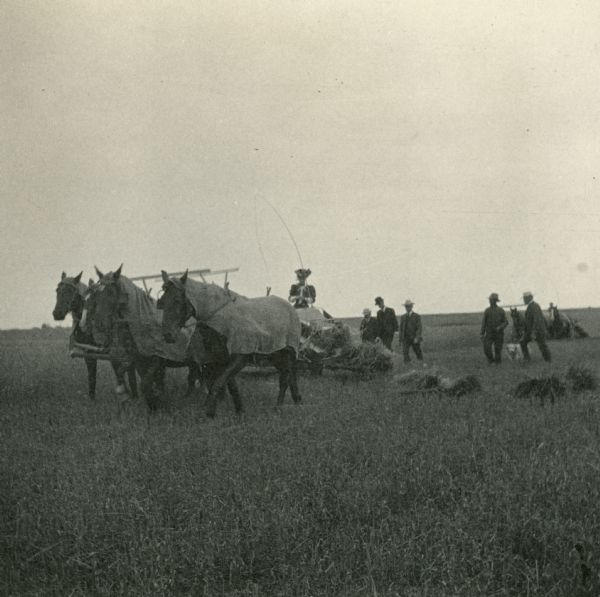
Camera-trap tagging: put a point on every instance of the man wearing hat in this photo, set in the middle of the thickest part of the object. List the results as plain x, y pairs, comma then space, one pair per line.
387, 324
535, 328
368, 327
411, 332
302, 295
492, 330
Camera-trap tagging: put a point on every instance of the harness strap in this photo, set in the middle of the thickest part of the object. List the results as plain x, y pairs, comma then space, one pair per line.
180, 286
231, 300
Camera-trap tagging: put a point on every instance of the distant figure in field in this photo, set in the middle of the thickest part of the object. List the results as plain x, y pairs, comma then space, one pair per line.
492, 330
387, 324
302, 295
368, 327
535, 328
411, 332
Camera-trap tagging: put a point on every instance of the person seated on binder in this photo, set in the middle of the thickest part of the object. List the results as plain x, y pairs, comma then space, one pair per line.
302, 295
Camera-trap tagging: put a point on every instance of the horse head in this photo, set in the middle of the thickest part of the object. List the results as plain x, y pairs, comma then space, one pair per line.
105, 303
68, 297
176, 308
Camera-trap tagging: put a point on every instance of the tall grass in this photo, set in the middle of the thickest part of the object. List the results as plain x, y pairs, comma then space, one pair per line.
358, 491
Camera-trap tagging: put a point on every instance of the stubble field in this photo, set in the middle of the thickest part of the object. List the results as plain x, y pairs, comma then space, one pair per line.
358, 491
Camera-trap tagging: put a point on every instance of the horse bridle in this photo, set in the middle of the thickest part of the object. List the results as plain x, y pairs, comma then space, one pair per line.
77, 294
181, 289
189, 309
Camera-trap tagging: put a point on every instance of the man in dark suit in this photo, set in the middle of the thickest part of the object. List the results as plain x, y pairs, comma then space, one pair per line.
369, 329
535, 328
386, 322
411, 332
492, 330
302, 295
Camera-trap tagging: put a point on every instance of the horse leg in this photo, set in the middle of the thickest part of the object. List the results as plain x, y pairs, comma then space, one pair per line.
193, 375
147, 372
159, 371
293, 378
211, 373
92, 367
132, 381
279, 361
234, 392
119, 371
235, 365
286, 365
285, 362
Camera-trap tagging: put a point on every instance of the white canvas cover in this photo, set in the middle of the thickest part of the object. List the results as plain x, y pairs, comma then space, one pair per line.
313, 317
260, 325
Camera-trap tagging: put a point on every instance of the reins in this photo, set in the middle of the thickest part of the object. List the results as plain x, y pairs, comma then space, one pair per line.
231, 300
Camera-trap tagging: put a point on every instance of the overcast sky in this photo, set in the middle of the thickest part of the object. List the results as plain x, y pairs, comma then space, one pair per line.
437, 151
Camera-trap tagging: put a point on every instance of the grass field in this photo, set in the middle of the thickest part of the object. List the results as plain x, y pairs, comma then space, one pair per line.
358, 491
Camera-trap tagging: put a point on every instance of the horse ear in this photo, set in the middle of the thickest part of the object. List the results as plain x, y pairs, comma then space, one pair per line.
77, 278
118, 272
165, 276
63, 275
99, 273
184, 278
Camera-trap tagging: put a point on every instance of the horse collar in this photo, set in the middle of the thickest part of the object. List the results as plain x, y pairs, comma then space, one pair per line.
231, 300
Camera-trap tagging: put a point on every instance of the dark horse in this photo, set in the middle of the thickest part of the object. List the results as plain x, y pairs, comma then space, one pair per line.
266, 326
71, 296
559, 325
124, 315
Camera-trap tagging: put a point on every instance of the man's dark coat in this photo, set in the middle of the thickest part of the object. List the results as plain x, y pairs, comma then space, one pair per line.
411, 329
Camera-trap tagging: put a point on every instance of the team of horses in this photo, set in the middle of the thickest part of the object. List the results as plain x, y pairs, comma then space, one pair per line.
225, 333
71, 298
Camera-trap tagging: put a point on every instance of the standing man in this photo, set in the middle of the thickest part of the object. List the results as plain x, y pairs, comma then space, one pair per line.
411, 332
302, 295
535, 328
492, 330
368, 327
387, 323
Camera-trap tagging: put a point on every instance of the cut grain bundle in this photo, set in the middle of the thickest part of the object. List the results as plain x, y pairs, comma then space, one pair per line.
464, 385
409, 378
581, 378
332, 338
541, 387
368, 356
428, 382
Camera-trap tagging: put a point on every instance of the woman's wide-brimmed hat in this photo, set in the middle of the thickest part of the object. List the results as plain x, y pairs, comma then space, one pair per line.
303, 273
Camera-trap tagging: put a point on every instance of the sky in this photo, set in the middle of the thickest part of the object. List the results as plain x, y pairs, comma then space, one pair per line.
437, 151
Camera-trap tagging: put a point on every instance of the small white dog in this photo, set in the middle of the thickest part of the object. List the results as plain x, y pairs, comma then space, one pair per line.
514, 351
